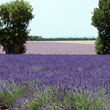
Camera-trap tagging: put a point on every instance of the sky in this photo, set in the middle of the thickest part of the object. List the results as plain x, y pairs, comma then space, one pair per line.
62, 18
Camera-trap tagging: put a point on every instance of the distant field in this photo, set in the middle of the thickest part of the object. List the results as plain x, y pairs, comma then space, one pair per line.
59, 47
63, 48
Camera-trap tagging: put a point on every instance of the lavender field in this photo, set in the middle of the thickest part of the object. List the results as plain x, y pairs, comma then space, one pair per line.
34, 47
55, 82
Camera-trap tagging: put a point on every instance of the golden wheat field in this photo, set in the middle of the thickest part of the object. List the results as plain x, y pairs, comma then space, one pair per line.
76, 42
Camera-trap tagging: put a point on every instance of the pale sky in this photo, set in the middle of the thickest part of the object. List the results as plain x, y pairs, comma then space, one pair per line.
62, 18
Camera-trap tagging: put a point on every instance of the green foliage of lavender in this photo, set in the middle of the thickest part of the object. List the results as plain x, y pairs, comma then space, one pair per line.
53, 98
9, 93
54, 82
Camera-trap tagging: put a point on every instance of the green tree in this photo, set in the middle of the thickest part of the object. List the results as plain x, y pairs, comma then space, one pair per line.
101, 20
15, 17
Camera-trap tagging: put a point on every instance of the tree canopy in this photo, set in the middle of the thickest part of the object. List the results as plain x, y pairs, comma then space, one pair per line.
101, 20
15, 17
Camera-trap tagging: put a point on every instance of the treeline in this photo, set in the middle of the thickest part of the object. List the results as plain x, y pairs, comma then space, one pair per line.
40, 38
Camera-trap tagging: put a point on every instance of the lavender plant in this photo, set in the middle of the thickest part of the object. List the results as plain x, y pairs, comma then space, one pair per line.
55, 82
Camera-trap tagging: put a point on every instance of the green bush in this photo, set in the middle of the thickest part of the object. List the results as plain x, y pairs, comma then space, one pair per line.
102, 46
99, 46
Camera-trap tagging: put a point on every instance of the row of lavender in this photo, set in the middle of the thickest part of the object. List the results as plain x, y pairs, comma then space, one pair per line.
37, 47
55, 82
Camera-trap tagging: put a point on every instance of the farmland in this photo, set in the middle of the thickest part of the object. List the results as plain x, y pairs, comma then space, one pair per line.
56, 75
55, 82
60, 47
